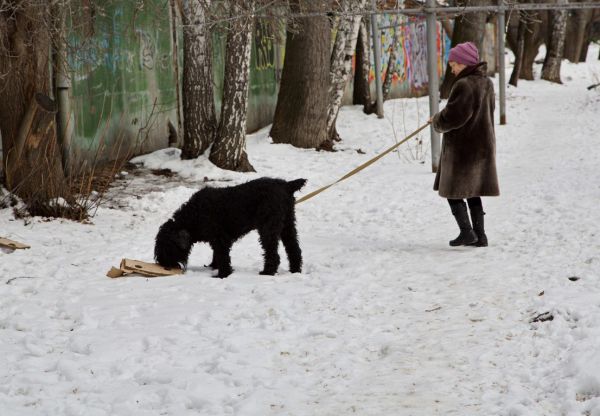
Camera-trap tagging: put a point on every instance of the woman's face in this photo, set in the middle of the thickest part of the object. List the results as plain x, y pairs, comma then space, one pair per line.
456, 68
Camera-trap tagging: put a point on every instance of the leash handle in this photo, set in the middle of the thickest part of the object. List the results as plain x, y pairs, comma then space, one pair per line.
364, 165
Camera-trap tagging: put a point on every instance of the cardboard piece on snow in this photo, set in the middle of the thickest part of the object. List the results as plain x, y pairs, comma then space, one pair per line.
129, 266
14, 245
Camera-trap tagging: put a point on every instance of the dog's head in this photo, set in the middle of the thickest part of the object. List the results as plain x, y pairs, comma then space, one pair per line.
173, 245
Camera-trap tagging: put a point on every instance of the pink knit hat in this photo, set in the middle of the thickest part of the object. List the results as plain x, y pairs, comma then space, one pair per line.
464, 53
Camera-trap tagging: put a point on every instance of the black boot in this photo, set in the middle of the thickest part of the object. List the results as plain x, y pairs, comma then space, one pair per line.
477, 218
467, 236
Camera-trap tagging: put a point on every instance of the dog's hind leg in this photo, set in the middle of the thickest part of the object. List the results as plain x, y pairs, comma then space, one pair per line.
289, 238
269, 240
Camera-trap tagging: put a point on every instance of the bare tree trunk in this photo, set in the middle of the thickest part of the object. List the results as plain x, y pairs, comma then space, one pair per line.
341, 61
362, 90
200, 121
537, 26
447, 27
32, 161
514, 77
586, 40
584, 50
301, 114
229, 148
391, 65
36, 168
468, 27
577, 23
555, 44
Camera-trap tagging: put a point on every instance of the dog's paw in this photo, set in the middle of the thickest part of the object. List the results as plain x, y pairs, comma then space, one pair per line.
223, 273
296, 270
268, 273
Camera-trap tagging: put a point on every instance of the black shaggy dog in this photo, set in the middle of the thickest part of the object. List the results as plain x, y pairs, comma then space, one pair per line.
220, 216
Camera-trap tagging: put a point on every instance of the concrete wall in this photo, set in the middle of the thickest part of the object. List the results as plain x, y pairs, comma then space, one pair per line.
123, 89
125, 78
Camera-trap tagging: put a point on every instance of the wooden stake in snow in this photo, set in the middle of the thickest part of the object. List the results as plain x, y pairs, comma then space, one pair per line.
14, 245
129, 266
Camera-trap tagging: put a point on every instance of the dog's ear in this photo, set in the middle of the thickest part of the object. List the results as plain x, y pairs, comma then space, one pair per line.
183, 239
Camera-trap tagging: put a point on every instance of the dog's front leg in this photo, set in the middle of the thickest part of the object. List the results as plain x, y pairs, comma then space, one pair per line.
214, 264
223, 260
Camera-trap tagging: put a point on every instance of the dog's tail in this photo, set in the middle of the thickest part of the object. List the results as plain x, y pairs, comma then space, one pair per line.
295, 185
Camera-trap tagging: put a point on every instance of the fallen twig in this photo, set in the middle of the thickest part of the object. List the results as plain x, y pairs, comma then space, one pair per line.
543, 317
8, 282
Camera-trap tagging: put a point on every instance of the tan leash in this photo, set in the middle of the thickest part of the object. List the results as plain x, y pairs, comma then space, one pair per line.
364, 165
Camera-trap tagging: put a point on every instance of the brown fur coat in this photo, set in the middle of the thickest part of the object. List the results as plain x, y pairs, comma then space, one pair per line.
467, 165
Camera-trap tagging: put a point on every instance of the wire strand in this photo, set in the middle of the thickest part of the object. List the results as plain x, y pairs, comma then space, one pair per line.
417, 11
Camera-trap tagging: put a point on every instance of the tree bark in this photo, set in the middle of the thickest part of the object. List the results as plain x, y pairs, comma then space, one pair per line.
229, 148
302, 104
537, 26
555, 44
35, 171
584, 50
362, 90
341, 61
514, 77
200, 121
447, 27
468, 27
391, 65
32, 161
587, 38
577, 27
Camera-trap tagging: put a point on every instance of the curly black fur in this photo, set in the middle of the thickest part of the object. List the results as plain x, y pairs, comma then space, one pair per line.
220, 216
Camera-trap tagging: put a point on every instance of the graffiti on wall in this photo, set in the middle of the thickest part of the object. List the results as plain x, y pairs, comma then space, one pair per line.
264, 46
123, 68
122, 73
147, 49
410, 74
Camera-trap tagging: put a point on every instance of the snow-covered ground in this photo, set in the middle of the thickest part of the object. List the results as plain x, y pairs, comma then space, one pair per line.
386, 318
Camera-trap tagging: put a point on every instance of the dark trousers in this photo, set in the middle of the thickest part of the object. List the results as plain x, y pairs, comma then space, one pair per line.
474, 202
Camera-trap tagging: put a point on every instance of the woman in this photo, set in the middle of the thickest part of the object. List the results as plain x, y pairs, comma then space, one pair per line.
467, 168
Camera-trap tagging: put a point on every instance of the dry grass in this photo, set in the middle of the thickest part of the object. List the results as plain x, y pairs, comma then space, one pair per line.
78, 195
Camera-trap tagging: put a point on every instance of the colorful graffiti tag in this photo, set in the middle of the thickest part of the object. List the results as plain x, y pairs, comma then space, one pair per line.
410, 77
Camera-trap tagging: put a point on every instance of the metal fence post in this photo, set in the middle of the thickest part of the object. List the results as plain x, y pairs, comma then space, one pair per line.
432, 70
377, 58
63, 86
501, 63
